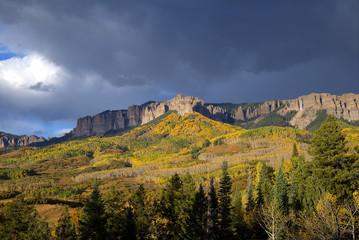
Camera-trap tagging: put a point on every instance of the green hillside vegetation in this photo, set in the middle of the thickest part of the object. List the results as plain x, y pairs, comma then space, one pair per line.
173, 160
318, 121
272, 119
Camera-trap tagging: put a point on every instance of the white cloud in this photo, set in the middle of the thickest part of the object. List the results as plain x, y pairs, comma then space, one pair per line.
23, 73
61, 132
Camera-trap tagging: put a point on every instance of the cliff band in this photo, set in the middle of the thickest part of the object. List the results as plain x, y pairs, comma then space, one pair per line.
345, 106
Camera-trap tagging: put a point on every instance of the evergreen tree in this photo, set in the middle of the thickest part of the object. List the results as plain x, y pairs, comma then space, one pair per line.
224, 205
330, 164
281, 189
237, 213
66, 227
138, 202
328, 144
21, 221
254, 230
188, 192
130, 230
212, 232
171, 207
115, 212
195, 223
294, 201
175, 183
295, 152
92, 219
259, 201
250, 201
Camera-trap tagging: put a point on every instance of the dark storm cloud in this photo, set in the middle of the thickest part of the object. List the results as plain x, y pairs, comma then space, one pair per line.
153, 39
217, 50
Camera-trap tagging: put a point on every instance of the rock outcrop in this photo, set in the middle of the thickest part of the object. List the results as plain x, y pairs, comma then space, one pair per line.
135, 115
260, 109
7, 140
345, 106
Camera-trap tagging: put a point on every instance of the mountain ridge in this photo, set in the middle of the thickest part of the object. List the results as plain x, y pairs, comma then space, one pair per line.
304, 110
12, 140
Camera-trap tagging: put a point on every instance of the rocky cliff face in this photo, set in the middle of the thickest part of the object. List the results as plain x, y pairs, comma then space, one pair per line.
345, 106
7, 140
101, 123
135, 115
261, 109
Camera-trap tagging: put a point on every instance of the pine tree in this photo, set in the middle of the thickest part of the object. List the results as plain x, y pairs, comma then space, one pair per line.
115, 212
295, 152
328, 144
281, 189
138, 202
195, 223
259, 201
224, 205
212, 232
171, 207
294, 201
250, 201
237, 213
21, 221
263, 184
188, 192
130, 230
66, 227
331, 166
92, 219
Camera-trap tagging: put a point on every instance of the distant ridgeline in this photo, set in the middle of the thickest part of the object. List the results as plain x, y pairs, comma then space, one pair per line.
305, 112
10, 140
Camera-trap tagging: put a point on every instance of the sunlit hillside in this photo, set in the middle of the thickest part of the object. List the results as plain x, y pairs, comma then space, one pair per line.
192, 143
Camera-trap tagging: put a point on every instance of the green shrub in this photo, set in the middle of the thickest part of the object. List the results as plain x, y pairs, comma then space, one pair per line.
15, 173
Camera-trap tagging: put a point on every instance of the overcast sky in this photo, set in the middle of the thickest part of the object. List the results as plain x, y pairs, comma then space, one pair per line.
63, 59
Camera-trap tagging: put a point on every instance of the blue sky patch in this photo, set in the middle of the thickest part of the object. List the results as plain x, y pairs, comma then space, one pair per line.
6, 53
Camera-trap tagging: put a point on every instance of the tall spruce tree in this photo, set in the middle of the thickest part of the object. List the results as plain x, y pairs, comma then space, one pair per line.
263, 184
259, 201
297, 162
295, 152
141, 214
92, 219
130, 229
238, 214
250, 200
281, 189
66, 227
171, 207
195, 224
328, 145
188, 192
331, 166
115, 211
212, 231
224, 205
